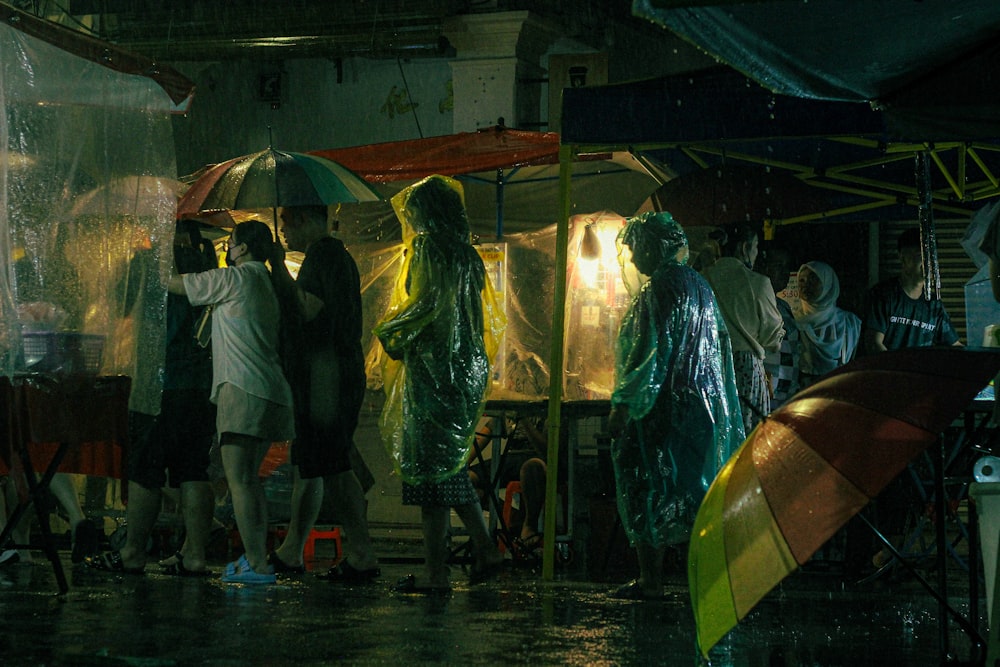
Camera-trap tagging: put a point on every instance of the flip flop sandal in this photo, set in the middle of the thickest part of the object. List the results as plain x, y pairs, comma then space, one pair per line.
177, 569
633, 591
249, 576
480, 576
281, 567
112, 562
345, 573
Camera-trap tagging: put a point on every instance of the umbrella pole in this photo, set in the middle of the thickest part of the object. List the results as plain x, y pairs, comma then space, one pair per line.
946, 609
940, 540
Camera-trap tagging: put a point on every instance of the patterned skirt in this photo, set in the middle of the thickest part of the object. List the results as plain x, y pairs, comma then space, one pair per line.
451, 492
751, 385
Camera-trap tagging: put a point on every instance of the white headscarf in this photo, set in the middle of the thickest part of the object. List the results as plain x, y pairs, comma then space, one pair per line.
829, 335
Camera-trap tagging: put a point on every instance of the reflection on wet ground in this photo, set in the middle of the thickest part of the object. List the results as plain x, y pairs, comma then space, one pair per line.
518, 619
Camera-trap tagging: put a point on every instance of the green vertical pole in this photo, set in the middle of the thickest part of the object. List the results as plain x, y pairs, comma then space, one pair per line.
556, 363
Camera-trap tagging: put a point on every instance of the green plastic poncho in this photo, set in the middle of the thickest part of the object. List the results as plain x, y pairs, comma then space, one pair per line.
674, 374
440, 333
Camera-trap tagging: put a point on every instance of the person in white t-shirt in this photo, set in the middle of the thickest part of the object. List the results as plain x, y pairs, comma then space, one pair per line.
249, 388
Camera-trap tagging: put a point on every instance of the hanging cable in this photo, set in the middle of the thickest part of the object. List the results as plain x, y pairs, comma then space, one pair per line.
413, 106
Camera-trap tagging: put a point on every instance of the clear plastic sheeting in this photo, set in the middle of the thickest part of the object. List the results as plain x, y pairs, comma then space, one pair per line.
87, 183
440, 335
674, 375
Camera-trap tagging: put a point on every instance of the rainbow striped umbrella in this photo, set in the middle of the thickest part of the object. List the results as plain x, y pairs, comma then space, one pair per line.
272, 179
813, 464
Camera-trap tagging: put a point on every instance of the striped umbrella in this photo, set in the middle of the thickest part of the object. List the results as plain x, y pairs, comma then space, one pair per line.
273, 179
813, 464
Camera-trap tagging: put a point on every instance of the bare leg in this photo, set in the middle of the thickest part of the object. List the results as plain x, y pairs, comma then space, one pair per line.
241, 457
22, 532
650, 569
64, 491
307, 498
533, 494
435, 527
86, 538
197, 505
353, 510
140, 515
484, 549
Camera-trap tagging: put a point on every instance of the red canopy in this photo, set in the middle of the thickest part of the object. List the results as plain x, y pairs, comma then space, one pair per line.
462, 153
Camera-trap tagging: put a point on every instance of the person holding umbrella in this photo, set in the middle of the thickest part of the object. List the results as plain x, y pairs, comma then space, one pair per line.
441, 333
675, 413
253, 398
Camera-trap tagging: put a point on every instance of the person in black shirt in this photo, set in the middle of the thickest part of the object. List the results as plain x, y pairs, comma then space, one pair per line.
329, 393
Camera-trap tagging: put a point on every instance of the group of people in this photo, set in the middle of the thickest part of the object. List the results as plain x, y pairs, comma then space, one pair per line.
704, 355
284, 364
700, 358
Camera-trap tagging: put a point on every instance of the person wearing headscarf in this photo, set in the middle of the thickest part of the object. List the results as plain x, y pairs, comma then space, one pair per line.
440, 334
828, 335
675, 417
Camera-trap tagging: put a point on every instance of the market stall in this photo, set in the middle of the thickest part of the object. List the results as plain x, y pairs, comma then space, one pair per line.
86, 227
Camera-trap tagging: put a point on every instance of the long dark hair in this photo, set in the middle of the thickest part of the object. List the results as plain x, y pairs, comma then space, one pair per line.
262, 246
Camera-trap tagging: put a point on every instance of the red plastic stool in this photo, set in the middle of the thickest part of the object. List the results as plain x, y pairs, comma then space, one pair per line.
512, 489
331, 534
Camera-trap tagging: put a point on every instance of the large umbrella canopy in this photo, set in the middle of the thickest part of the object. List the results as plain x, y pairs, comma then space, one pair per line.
273, 179
812, 465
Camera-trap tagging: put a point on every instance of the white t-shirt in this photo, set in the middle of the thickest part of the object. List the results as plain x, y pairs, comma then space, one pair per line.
244, 329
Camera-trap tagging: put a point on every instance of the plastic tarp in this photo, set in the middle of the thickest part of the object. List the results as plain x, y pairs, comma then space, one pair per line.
716, 104
932, 68
87, 180
518, 190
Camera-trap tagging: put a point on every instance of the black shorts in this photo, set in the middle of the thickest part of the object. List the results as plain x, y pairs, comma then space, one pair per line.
322, 449
172, 447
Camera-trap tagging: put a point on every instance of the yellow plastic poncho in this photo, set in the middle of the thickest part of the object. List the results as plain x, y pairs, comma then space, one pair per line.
440, 333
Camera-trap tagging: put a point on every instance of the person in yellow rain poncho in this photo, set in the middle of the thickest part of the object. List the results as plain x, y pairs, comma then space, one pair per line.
675, 416
441, 333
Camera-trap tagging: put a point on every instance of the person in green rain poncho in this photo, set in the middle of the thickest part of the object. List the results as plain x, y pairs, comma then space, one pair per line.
675, 416
441, 333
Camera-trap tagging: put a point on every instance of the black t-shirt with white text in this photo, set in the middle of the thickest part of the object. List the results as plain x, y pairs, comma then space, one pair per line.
907, 322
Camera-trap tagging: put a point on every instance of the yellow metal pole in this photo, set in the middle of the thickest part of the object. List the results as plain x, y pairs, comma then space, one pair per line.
556, 364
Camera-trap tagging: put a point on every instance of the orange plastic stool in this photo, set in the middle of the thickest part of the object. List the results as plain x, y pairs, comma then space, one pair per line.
309, 552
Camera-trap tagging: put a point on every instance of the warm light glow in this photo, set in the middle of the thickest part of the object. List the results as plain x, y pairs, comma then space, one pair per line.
588, 269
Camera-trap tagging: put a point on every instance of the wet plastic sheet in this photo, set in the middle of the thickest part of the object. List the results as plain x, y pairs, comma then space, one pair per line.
88, 179
440, 333
675, 376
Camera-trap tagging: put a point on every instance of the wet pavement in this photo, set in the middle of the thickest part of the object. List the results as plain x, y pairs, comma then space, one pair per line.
517, 619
